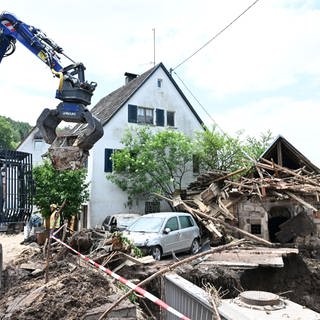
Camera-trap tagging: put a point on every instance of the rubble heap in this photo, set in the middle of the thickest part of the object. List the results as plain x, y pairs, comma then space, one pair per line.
212, 196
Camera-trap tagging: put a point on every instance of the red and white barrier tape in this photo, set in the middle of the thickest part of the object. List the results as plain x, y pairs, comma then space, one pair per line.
131, 285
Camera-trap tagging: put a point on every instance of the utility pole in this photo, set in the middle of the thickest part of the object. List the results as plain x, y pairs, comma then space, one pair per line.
154, 46
1, 265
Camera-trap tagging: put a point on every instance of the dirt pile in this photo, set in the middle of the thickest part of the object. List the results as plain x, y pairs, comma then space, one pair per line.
73, 291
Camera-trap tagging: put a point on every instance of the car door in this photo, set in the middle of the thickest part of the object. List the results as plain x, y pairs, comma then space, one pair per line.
187, 231
171, 241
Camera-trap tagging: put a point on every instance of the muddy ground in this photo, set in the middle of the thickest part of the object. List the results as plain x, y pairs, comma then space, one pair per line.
74, 287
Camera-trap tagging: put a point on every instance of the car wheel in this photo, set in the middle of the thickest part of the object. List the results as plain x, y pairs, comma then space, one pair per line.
195, 246
156, 252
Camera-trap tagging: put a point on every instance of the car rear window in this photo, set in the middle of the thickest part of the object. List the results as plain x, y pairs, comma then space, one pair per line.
185, 222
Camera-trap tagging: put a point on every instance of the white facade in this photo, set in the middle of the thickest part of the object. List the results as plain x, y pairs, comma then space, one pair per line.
35, 145
105, 197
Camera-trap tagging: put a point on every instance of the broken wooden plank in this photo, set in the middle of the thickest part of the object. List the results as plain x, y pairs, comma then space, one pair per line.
225, 210
266, 251
230, 174
125, 310
210, 193
201, 205
304, 203
291, 172
230, 264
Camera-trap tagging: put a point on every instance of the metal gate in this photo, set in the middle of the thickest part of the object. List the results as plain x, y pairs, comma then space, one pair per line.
16, 186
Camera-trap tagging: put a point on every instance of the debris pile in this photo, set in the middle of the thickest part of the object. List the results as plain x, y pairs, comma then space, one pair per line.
213, 195
75, 289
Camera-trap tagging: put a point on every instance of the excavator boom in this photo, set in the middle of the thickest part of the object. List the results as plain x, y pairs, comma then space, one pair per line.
74, 91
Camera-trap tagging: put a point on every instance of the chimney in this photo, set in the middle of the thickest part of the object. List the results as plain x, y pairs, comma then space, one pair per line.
129, 77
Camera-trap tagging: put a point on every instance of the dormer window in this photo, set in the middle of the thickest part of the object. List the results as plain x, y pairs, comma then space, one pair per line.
159, 83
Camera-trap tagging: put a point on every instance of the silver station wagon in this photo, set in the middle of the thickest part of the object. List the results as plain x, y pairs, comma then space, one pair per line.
163, 233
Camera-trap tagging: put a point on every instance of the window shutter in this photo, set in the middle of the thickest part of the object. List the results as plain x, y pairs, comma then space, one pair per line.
107, 160
160, 117
132, 113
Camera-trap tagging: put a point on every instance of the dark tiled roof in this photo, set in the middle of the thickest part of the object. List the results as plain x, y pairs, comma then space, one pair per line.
108, 106
111, 103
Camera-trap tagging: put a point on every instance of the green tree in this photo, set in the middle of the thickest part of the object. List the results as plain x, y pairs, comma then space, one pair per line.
218, 151
255, 147
151, 162
53, 186
12, 132
6, 134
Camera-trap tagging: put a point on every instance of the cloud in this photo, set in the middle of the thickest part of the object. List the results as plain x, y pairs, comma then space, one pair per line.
265, 51
262, 72
296, 120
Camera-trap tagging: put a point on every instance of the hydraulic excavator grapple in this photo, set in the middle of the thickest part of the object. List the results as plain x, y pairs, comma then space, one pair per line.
71, 151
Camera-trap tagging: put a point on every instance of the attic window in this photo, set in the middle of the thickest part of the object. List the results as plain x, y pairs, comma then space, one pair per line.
159, 83
145, 115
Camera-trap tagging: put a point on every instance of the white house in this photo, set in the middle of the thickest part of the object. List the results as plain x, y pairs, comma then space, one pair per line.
34, 144
152, 98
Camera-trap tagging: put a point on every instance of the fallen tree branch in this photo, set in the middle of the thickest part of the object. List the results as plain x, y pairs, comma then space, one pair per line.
170, 268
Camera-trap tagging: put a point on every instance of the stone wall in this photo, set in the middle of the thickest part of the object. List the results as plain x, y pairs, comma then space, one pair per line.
254, 214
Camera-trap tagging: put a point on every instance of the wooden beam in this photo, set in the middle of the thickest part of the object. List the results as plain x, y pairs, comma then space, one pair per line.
306, 204
298, 176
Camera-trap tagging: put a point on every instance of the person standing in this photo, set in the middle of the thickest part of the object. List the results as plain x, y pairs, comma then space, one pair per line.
54, 217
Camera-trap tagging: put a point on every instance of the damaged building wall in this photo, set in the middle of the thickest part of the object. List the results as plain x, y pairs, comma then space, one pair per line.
263, 217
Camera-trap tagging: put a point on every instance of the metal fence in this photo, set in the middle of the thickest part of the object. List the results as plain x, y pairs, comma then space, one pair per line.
16, 186
187, 298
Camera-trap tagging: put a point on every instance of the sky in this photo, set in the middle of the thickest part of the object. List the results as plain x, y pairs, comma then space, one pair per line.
262, 73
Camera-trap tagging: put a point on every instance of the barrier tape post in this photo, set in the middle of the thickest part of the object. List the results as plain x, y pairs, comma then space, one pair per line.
128, 283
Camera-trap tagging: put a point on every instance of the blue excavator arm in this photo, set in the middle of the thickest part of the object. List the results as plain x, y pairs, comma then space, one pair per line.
32, 38
74, 91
